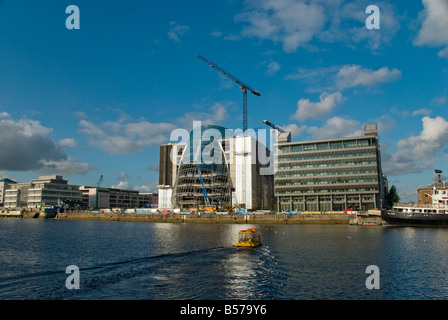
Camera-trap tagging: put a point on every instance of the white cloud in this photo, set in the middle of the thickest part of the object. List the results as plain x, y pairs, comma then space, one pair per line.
126, 135
347, 24
176, 31
229, 37
68, 142
218, 113
318, 79
232, 37
344, 77
125, 185
216, 34
422, 111
385, 123
273, 68
440, 100
307, 109
145, 188
434, 27
80, 114
337, 127
443, 53
418, 153
333, 127
122, 137
354, 75
123, 176
295, 23
290, 22
294, 129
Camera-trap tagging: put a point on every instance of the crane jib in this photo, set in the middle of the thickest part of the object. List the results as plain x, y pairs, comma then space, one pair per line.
229, 75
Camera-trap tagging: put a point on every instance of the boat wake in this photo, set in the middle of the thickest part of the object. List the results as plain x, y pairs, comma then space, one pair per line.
94, 280
210, 273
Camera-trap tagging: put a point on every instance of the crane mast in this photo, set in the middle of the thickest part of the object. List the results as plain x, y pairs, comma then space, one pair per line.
243, 87
100, 181
204, 191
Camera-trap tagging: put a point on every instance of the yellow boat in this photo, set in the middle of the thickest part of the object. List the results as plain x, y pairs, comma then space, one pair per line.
248, 238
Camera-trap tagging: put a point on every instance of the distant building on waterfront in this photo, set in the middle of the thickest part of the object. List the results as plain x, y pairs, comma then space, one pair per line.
54, 190
425, 193
44, 191
103, 198
330, 175
4, 184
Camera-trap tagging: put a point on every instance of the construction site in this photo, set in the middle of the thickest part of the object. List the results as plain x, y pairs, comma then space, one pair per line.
234, 179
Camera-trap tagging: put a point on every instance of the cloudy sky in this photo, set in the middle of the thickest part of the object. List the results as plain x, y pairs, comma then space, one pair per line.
99, 100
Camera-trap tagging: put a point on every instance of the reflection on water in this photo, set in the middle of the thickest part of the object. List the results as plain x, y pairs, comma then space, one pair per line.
252, 274
120, 260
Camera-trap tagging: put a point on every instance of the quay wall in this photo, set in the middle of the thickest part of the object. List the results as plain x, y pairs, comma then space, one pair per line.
212, 218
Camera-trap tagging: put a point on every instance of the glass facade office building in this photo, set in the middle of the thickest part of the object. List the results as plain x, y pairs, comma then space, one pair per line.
330, 175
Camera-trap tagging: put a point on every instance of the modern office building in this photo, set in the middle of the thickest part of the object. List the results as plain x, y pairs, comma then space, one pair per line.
169, 160
54, 190
225, 172
4, 184
17, 195
104, 198
44, 191
330, 175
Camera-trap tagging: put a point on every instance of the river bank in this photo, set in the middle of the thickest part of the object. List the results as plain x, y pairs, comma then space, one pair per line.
278, 218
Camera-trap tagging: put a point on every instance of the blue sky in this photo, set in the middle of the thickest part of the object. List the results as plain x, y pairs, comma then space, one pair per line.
100, 100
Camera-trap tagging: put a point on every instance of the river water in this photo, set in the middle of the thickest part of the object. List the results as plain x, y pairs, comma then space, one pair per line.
127, 260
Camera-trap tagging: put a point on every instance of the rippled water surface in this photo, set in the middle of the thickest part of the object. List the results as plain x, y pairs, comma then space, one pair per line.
124, 260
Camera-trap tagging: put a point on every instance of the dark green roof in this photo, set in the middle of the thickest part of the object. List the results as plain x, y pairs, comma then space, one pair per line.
7, 180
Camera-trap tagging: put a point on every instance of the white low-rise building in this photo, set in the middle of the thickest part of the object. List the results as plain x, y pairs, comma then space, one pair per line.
54, 190
4, 185
44, 191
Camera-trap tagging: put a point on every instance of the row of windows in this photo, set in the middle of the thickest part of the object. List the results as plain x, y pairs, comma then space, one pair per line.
338, 190
326, 173
327, 164
326, 206
300, 182
313, 156
356, 197
328, 145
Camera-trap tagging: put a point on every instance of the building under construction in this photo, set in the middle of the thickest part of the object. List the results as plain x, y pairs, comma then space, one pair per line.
221, 173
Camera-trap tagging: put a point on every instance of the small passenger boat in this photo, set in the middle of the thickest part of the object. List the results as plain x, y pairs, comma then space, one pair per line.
248, 238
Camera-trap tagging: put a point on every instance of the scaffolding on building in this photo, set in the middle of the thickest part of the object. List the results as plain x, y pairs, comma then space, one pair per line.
214, 190
200, 183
